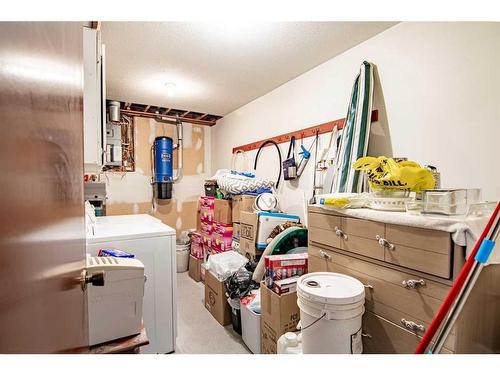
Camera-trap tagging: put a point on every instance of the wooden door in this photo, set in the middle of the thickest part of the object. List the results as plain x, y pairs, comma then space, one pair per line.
42, 235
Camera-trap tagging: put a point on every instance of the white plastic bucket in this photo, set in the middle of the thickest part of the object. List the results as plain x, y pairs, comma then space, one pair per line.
331, 307
182, 253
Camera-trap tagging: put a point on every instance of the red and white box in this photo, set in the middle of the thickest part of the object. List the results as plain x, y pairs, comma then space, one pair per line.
197, 250
206, 228
206, 203
288, 285
221, 244
206, 206
280, 267
223, 230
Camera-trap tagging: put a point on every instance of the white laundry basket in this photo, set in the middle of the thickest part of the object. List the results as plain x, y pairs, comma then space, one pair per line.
182, 253
331, 307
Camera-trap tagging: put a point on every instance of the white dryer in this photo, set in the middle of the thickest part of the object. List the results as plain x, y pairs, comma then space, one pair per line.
153, 243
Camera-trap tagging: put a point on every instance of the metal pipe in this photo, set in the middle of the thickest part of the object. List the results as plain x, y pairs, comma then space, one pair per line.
165, 116
180, 153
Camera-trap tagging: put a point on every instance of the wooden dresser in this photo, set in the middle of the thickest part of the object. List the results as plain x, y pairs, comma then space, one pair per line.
407, 273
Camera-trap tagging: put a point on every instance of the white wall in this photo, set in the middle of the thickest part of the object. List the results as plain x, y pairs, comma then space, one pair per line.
437, 89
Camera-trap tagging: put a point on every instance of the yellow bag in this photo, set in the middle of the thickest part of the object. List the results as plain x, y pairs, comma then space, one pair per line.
388, 174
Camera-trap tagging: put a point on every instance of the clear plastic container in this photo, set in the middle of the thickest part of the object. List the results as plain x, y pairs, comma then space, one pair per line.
481, 209
449, 201
414, 207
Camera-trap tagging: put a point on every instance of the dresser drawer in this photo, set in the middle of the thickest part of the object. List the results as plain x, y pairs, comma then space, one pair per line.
325, 237
430, 288
396, 303
362, 246
421, 260
362, 228
425, 239
383, 337
316, 264
329, 222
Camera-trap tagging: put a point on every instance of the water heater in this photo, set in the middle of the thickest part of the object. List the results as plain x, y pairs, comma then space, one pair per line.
162, 167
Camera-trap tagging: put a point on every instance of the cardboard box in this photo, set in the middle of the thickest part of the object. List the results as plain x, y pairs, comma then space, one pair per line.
196, 247
241, 203
195, 268
236, 231
223, 211
198, 220
216, 300
280, 267
279, 314
221, 243
248, 233
284, 286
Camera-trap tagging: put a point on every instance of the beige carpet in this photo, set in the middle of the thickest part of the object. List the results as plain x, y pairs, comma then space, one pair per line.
197, 330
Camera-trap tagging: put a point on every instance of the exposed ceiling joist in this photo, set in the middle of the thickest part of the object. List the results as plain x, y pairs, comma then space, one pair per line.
151, 111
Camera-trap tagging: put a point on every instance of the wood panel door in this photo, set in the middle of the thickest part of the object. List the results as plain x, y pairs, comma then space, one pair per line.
42, 231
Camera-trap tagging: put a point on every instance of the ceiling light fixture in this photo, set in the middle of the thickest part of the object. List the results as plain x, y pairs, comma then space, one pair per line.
170, 86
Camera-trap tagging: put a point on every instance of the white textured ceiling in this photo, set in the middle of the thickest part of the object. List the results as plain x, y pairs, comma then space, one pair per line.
218, 67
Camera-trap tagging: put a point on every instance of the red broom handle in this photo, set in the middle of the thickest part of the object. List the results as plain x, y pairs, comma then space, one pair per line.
455, 289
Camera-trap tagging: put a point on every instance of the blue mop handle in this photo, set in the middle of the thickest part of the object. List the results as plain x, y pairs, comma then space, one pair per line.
484, 251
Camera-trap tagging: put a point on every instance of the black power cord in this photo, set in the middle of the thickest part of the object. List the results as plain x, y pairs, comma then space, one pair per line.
270, 141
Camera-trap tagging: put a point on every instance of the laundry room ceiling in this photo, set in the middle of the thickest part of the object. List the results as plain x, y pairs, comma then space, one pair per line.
218, 67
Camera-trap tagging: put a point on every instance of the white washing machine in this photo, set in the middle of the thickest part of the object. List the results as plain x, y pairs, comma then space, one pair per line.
153, 243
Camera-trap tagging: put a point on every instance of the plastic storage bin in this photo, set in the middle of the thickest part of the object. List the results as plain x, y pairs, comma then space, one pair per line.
250, 329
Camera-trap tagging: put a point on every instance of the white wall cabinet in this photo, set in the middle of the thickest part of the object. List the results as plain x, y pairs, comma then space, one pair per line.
94, 100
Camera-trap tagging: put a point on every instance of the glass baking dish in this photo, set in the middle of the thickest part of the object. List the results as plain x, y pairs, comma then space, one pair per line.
449, 201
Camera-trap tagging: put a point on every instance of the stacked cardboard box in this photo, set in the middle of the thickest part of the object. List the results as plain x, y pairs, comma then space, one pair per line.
248, 235
222, 230
283, 271
216, 300
241, 203
279, 314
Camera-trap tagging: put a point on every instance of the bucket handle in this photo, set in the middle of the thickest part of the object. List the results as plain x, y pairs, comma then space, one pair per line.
302, 329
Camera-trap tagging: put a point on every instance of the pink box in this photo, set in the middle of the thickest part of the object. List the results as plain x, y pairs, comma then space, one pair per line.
223, 230
207, 228
221, 244
197, 250
207, 216
207, 203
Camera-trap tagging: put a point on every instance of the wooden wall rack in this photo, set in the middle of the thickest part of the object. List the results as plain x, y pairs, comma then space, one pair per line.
303, 133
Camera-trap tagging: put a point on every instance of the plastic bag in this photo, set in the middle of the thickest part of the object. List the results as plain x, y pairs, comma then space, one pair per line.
225, 264
239, 284
344, 200
388, 174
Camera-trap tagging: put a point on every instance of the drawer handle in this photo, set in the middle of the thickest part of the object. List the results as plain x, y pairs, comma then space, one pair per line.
413, 284
412, 325
367, 335
383, 242
340, 234
324, 255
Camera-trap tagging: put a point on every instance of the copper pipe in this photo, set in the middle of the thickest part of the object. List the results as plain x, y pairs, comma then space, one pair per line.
156, 115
